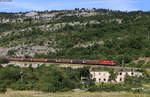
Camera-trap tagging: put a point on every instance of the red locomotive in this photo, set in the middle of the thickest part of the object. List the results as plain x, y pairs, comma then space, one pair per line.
71, 61
107, 63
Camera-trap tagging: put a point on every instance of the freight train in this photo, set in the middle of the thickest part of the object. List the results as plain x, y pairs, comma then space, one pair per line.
68, 61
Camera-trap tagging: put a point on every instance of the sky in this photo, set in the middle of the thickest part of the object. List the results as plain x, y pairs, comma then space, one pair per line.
40, 5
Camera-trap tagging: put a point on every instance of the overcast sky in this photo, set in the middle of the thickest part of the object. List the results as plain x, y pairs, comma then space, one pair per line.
29, 5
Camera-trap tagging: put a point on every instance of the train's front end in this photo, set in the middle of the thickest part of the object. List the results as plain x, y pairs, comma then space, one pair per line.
107, 63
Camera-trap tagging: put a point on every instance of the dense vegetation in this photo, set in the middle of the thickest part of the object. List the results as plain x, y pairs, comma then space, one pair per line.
50, 79
53, 79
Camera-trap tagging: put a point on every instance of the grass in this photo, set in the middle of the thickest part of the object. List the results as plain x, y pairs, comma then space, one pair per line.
146, 86
12, 93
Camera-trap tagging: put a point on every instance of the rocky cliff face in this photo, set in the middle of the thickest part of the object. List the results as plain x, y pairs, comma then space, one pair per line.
40, 19
45, 15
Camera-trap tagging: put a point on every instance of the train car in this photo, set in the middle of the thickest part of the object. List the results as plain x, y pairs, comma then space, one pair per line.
108, 63
90, 62
77, 61
63, 61
15, 59
27, 59
39, 60
51, 60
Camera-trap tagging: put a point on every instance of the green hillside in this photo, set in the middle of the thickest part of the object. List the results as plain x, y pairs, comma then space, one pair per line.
108, 35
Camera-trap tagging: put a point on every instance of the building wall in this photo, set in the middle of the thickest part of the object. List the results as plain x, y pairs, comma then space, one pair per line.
102, 76
120, 77
138, 74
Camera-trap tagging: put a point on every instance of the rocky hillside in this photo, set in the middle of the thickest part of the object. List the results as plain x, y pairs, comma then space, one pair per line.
80, 34
18, 24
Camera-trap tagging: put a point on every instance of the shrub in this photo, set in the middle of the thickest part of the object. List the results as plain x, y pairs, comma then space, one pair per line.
3, 89
133, 81
108, 87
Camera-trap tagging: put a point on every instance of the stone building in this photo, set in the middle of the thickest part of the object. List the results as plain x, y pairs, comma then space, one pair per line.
121, 75
104, 76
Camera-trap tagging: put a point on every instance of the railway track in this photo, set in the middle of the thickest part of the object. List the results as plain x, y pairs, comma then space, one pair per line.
70, 63
66, 65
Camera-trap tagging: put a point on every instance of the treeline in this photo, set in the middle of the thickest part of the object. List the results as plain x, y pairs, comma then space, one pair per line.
48, 79
54, 79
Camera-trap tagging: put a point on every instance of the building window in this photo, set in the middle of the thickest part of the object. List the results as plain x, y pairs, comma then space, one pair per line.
104, 79
99, 80
132, 73
120, 79
94, 79
120, 73
99, 73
